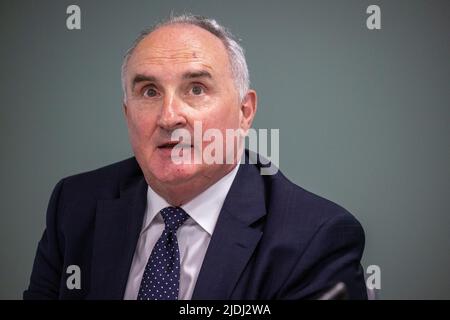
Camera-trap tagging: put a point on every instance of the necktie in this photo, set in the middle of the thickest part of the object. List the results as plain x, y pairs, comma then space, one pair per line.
161, 277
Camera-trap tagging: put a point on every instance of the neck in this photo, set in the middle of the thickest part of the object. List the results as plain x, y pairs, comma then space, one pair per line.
183, 192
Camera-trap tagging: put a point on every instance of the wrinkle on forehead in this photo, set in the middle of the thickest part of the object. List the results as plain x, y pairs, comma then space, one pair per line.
163, 55
176, 47
142, 66
182, 53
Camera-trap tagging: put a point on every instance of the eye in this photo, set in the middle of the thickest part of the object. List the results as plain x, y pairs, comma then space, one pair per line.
197, 90
150, 92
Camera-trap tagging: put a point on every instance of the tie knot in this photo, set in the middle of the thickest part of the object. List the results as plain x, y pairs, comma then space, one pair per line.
174, 217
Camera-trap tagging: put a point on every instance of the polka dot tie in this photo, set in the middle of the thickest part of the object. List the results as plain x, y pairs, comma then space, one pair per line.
161, 277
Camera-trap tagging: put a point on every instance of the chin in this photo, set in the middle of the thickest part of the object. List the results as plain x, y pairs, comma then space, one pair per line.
174, 174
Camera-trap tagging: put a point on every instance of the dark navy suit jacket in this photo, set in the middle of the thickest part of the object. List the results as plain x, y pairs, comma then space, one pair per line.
273, 239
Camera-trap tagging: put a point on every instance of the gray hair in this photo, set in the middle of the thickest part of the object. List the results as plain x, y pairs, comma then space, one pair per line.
235, 52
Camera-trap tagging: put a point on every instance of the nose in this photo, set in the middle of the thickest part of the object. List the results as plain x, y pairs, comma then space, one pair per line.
170, 117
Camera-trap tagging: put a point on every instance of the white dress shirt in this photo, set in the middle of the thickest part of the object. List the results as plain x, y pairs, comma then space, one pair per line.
193, 236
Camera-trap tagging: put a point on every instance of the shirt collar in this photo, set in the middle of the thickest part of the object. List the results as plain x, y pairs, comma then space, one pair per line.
204, 209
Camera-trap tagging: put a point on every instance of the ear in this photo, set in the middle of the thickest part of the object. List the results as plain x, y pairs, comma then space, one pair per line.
248, 110
125, 109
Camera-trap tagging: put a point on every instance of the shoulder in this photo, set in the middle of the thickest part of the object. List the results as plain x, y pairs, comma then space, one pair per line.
104, 182
303, 213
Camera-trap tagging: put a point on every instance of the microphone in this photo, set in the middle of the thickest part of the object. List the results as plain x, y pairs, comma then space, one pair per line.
337, 292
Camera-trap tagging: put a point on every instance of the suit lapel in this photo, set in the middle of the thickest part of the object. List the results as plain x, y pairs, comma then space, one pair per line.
234, 239
117, 227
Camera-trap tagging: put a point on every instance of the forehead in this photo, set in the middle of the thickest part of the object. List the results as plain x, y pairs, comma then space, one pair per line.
179, 46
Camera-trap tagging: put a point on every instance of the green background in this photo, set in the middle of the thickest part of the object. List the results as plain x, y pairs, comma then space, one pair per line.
363, 115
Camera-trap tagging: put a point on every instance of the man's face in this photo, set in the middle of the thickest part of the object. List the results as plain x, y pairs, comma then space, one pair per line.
178, 75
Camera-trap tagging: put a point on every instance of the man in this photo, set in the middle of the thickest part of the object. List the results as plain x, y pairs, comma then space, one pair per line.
151, 228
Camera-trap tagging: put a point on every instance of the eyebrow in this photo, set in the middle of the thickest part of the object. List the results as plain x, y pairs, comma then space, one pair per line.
187, 75
141, 78
197, 74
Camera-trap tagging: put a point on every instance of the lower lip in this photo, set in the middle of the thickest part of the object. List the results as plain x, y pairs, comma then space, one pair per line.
167, 152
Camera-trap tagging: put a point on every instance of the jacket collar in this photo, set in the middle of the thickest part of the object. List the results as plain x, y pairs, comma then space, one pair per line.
235, 237
117, 226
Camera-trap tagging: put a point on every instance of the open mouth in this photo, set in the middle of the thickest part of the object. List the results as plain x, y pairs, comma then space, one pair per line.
170, 145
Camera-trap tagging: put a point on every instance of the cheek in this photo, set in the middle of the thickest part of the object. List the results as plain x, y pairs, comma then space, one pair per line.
141, 126
229, 118
225, 114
